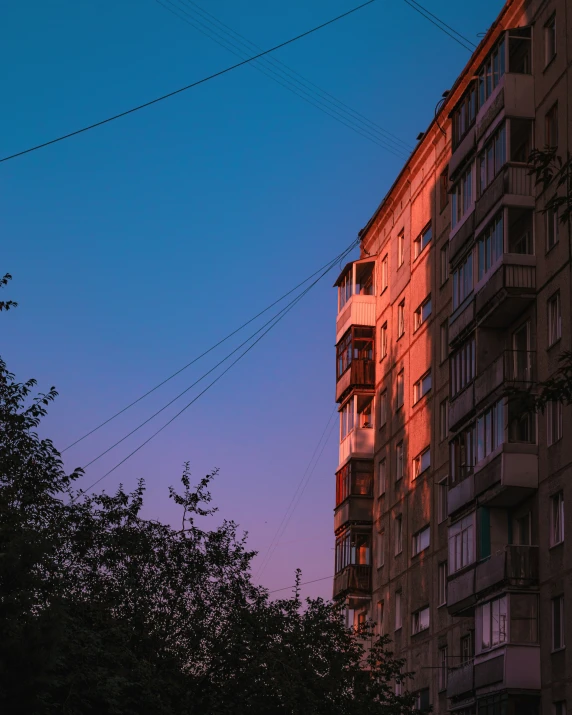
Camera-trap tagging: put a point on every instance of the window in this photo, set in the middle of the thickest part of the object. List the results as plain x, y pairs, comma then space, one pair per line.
464, 115
353, 548
345, 289
559, 708
462, 281
444, 341
443, 420
521, 424
383, 408
442, 584
420, 621
552, 227
398, 621
422, 313
462, 367
380, 549
553, 422
380, 617
382, 476
401, 319
551, 126
558, 623
354, 479
398, 534
461, 543
492, 71
490, 430
399, 461
421, 462
400, 248
466, 649
491, 622
492, 158
422, 240
554, 319
420, 541
442, 490
347, 418
444, 189
384, 273
462, 196
523, 618
556, 519
398, 684
550, 40
421, 387
422, 700
443, 664
490, 246
463, 454
524, 529
365, 414
444, 274
383, 341
356, 344
400, 389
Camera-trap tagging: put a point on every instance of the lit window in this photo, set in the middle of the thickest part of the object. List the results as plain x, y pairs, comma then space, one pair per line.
491, 621
383, 341
552, 227
382, 476
400, 389
398, 534
422, 313
420, 541
557, 519
383, 408
400, 248
398, 621
554, 319
442, 490
422, 240
558, 623
420, 621
422, 387
399, 461
421, 462
553, 421
550, 40
442, 583
461, 543
444, 263
551, 126
401, 319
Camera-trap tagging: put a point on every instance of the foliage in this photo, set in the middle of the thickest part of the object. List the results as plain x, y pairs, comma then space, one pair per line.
553, 175
103, 611
6, 304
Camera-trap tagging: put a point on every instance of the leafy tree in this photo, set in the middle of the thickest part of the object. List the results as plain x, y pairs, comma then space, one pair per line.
105, 612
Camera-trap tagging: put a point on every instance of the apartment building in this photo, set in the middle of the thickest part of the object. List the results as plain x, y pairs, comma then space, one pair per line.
451, 506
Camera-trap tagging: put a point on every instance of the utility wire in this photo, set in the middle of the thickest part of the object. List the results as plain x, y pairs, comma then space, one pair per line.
304, 583
277, 319
466, 39
196, 359
189, 86
442, 26
300, 489
284, 75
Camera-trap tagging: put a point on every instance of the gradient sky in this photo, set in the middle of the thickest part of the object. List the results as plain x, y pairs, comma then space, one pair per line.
136, 246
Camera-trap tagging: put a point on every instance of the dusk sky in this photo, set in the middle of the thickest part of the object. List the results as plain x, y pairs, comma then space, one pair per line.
136, 246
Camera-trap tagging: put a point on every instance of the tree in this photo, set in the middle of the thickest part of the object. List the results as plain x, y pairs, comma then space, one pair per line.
105, 612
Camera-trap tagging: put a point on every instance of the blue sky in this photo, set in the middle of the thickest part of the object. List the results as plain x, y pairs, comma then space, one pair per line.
137, 245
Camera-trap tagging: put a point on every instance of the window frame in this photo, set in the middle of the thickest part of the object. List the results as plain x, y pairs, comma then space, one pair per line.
422, 462
442, 506
558, 602
444, 264
553, 422
401, 319
441, 584
400, 248
418, 544
557, 516
551, 228
383, 408
421, 241
551, 127
462, 549
421, 387
554, 328
416, 622
550, 31
384, 273
443, 668
399, 461
400, 390
398, 549
383, 341
382, 476
419, 317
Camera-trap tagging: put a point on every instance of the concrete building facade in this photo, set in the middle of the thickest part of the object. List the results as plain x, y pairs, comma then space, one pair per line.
452, 507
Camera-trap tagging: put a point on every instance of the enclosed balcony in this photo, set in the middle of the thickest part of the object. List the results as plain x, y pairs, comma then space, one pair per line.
460, 680
355, 364
516, 567
353, 563
356, 296
357, 435
513, 369
511, 667
509, 474
506, 268
354, 494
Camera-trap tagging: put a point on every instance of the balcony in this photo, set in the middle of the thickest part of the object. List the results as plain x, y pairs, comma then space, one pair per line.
510, 667
512, 369
354, 494
461, 596
508, 475
513, 186
359, 375
461, 680
461, 406
515, 566
358, 443
353, 580
462, 491
356, 296
504, 294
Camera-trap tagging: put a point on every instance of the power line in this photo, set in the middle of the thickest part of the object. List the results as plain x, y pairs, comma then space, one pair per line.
441, 26
196, 359
285, 75
305, 583
466, 39
276, 320
188, 86
300, 489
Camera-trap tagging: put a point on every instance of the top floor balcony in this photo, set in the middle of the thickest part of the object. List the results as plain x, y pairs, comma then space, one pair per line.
356, 296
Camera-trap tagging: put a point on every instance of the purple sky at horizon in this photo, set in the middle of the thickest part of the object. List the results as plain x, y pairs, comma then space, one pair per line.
136, 246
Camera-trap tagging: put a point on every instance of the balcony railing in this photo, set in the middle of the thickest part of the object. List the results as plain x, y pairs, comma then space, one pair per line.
513, 180
359, 310
504, 294
512, 366
353, 579
460, 680
516, 565
462, 490
461, 405
509, 476
359, 374
358, 443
